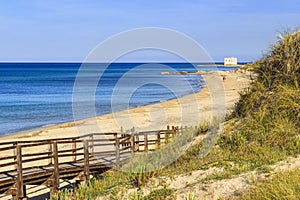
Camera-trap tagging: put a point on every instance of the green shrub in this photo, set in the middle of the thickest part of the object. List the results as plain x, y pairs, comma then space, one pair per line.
284, 185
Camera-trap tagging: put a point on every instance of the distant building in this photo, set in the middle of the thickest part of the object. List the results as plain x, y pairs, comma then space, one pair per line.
230, 61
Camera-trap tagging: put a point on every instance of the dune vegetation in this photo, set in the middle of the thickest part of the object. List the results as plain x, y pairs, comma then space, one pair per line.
262, 130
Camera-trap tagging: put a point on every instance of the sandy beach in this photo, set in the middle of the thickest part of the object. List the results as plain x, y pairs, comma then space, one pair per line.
187, 110
154, 116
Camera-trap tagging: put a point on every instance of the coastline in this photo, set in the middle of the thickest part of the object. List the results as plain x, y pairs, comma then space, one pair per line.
144, 117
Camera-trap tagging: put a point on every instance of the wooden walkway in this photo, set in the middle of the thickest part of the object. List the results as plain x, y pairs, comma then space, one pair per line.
45, 162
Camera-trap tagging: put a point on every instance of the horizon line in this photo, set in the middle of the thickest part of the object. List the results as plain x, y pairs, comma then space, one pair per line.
78, 62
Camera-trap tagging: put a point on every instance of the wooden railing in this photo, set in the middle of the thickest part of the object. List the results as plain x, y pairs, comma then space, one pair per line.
46, 161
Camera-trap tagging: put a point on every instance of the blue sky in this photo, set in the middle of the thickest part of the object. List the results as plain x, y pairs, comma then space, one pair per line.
67, 30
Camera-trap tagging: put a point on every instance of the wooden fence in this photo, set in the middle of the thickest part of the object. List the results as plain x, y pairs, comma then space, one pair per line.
46, 161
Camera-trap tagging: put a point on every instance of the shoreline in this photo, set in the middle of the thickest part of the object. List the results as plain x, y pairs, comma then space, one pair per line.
45, 126
143, 117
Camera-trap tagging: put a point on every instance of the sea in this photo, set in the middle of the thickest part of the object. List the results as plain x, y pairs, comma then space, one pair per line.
35, 95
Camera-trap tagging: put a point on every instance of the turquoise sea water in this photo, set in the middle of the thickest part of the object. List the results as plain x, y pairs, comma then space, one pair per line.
38, 94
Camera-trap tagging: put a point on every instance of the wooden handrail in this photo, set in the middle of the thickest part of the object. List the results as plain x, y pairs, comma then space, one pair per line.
7, 148
7, 157
80, 150
8, 164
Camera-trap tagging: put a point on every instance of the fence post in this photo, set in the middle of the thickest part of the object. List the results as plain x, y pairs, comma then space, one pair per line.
117, 153
50, 154
122, 136
55, 183
158, 139
86, 160
177, 131
174, 131
92, 147
21, 190
146, 142
132, 143
74, 150
167, 135
137, 142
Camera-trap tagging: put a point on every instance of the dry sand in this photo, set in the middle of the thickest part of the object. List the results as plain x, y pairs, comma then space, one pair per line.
187, 110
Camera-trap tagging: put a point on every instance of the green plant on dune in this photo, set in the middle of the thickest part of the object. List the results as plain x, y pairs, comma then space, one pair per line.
262, 130
265, 125
268, 113
284, 185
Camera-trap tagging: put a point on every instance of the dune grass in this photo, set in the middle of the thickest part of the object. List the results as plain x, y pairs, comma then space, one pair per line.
284, 185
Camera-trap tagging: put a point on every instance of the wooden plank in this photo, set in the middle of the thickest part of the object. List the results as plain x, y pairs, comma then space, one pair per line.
7, 148
105, 153
69, 141
97, 134
8, 143
102, 145
35, 144
8, 164
37, 159
8, 157
37, 141
70, 155
154, 141
67, 151
34, 154
49, 141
